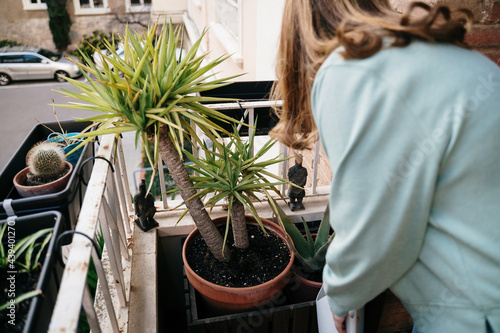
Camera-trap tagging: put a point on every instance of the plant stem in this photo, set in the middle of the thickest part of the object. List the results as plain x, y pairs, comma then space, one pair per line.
239, 224
200, 216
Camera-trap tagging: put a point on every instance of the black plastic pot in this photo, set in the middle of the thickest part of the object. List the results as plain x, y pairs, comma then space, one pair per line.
67, 201
41, 307
247, 91
280, 315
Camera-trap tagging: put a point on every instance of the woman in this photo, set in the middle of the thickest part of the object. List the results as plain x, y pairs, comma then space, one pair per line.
410, 121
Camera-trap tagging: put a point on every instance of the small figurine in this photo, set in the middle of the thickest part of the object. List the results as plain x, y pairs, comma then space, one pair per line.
297, 175
145, 209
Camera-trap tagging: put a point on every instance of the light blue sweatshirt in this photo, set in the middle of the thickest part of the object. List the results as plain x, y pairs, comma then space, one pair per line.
413, 139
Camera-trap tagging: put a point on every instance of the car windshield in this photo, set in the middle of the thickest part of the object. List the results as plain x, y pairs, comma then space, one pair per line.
54, 56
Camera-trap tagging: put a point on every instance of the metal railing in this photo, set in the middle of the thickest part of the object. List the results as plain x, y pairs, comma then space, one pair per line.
249, 118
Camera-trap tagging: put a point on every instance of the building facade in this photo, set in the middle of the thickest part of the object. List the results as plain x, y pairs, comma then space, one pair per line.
246, 29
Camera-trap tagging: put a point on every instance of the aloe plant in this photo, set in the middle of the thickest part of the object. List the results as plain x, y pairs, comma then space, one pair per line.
237, 175
152, 92
309, 251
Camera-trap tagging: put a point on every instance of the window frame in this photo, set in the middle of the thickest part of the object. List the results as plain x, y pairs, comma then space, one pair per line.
92, 10
11, 56
27, 5
232, 43
28, 56
141, 8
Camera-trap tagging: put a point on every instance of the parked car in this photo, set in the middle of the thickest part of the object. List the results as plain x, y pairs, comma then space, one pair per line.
98, 57
33, 63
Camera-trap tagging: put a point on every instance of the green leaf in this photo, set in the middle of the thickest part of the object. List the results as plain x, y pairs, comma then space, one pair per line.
323, 230
39, 253
296, 237
21, 298
24, 243
3, 258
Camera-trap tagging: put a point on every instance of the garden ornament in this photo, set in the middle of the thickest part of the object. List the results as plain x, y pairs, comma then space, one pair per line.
145, 209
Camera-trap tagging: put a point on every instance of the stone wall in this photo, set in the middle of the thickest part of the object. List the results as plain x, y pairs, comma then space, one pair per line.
31, 27
485, 35
27, 27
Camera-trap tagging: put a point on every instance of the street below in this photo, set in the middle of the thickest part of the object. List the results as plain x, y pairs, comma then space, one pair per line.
23, 104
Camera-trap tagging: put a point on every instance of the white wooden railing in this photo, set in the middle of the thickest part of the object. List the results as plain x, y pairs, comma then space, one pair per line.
107, 204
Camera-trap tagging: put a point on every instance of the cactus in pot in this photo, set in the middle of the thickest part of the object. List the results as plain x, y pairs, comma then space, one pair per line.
46, 161
47, 171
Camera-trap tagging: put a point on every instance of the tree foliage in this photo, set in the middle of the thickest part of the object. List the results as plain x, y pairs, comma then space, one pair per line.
59, 23
90, 43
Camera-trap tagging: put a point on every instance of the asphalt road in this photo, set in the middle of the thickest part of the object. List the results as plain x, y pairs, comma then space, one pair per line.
22, 104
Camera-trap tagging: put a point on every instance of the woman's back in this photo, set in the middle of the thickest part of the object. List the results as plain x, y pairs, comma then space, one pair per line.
413, 137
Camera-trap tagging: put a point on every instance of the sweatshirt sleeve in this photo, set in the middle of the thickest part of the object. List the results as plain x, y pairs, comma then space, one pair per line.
384, 172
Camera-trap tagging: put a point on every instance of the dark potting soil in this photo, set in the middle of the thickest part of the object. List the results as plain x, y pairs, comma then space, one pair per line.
265, 258
24, 283
32, 180
307, 273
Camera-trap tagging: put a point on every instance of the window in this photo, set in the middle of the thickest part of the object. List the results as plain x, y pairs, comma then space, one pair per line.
227, 14
91, 7
12, 59
54, 56
34, 5
32, 59
138, 5
140, 2
227, 27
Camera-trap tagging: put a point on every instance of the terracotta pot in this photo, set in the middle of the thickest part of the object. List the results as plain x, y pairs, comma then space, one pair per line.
228, 298
304, 290
31, 191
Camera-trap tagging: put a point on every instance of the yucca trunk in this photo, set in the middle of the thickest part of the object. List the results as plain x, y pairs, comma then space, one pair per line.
239, 224
200, 216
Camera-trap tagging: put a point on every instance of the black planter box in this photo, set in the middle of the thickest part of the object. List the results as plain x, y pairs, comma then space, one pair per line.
68, 201
41, 307
247, 91
280, 315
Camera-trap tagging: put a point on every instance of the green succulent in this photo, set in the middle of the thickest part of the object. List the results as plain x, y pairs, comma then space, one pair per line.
46, 160
309, 251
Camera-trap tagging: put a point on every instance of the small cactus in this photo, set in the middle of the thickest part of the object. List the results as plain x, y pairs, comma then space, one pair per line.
46, 160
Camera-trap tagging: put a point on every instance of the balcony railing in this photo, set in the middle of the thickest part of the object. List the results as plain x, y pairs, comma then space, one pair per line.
127, 270
106, 204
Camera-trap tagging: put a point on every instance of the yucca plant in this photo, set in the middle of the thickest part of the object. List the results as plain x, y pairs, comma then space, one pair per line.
236, 174
152, 92
309, 251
